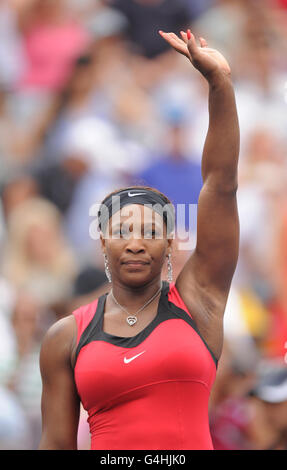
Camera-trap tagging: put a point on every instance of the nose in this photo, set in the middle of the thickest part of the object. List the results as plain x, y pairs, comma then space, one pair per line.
135, 245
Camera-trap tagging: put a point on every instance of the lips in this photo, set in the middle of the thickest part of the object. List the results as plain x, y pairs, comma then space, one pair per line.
135, 262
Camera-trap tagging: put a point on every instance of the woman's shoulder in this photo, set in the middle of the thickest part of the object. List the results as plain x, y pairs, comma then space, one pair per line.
67, 327
57, 345
59, 332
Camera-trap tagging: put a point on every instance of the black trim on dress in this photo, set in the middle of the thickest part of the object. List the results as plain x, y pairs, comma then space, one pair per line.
166, 310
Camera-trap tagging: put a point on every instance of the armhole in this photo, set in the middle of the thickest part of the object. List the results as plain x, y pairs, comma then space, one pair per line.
175, 298
83, 316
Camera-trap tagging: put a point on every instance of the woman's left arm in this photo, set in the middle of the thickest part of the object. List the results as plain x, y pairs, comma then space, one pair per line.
204, 281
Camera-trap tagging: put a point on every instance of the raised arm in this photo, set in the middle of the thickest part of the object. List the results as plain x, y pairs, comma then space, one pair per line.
204, 281
60, 401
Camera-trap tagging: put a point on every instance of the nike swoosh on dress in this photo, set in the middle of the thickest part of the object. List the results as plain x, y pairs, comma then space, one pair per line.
126, 361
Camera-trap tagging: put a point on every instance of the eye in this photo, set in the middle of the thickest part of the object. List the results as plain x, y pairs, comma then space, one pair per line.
125, 230
116, 232
150, 233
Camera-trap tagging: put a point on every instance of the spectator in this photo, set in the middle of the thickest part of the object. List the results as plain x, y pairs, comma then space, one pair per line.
17, 189
90, 282
146, 17
36, 257
52, 41
8, 345
230, 414
175, 175
270, 403
12, 60
15, 432
30, 320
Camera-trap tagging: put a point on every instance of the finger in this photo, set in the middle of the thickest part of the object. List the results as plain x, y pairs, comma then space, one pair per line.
184, 36
174, 36
175, 42
203, 42
192, 46
179, 41
171, 35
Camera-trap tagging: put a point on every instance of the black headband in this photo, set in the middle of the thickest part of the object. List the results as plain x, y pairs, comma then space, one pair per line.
146, 197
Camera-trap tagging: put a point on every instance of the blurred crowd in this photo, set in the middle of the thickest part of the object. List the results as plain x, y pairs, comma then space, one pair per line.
93, 99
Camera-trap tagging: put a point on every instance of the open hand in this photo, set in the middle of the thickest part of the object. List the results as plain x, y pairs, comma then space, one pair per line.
207, 61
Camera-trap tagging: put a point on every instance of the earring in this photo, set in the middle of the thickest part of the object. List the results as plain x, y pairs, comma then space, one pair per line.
169, 268
107, 269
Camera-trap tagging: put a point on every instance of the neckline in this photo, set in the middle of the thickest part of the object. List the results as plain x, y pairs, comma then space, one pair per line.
149, 325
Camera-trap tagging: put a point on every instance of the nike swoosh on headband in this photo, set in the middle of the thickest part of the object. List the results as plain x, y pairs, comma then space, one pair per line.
126, 361
135, 194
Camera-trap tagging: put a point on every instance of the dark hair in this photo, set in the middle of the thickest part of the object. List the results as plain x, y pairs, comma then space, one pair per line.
137, 188
169, 221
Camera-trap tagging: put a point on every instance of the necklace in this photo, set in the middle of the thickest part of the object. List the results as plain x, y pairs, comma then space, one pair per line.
132, 319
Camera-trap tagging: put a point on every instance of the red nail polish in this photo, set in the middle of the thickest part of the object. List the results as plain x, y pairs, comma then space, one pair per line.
188, 34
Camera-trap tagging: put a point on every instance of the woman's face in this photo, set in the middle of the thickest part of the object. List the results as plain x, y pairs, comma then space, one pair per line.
136, 245
41, 244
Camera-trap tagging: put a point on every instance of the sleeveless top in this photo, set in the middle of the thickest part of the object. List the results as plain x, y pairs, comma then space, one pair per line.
149, 391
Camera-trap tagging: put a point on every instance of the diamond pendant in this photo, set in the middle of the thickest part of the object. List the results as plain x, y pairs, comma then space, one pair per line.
131, 320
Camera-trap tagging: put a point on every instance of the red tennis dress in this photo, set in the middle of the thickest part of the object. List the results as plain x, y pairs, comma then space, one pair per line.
149, 391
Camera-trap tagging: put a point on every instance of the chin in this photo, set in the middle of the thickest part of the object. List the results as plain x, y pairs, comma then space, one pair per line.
136, 279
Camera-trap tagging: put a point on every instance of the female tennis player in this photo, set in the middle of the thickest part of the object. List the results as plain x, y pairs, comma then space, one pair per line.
142, 358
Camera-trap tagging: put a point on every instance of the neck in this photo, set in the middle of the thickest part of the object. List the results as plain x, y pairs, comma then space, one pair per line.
134, 296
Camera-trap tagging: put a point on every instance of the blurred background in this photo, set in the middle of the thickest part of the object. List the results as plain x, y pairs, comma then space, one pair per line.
92, 99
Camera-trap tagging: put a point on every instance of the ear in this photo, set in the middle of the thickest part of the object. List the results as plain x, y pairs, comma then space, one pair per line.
103, 243
169, 246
